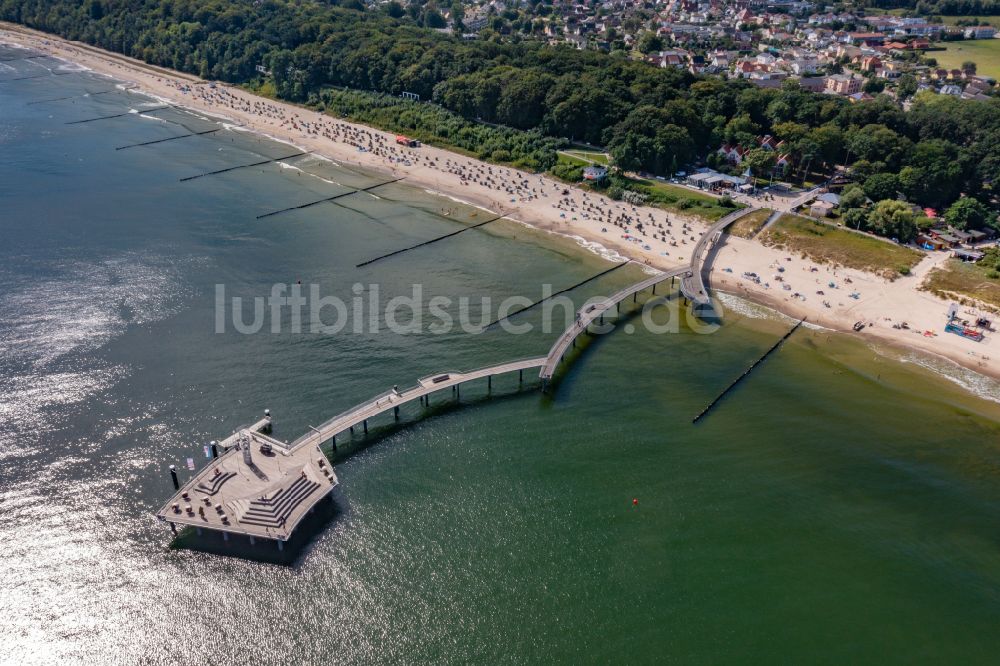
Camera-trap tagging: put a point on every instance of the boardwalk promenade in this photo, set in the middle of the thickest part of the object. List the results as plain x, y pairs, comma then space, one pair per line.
359, 415
588, 314
693, 285
262, 487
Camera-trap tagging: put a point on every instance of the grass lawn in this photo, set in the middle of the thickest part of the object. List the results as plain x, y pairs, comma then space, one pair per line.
989, 18
984, 52
570, 160
947, 20
750, 224
681, 199
963, 282
824, 243
587, 156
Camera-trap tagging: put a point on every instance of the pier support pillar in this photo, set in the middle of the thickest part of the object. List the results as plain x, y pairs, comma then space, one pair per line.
458, 391
489, 384
252, 541
173, 528
365, 425
281, 545
635, 295
395, 413
352, 430
198, 531
654, 289
602, 319
173, 475
225, 536
215, 450
520, 377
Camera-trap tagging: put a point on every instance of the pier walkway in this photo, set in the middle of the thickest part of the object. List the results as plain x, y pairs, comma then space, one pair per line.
693, 285
587, 314
394, 399
263, 487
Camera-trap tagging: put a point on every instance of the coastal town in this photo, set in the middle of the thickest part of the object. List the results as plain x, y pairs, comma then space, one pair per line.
880, 288
475, 331
847, 52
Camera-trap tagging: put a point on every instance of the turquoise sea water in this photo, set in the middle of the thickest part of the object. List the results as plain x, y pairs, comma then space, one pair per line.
843, 505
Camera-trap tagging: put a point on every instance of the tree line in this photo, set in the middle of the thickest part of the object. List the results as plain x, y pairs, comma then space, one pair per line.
648, 118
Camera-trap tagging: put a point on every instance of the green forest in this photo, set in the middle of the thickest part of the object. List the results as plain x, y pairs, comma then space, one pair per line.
651, 119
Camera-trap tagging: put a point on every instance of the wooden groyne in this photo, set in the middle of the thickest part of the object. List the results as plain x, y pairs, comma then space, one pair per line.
428, 242
170, 138
54, 99
31, 57
747, 372
558, 293
328, 199
25, 78
117, 115
244, 166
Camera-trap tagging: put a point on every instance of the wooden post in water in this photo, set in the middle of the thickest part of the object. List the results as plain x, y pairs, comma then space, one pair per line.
365, 424
489, 383
395, 413
173, 475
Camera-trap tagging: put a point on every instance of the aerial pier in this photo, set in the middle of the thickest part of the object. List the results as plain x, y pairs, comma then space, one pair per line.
693, 285
588, 314
262, 487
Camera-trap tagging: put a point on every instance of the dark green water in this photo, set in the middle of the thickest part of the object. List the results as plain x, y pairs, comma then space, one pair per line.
841, 506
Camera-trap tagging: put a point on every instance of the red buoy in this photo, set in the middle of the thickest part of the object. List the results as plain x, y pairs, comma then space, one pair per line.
635, 501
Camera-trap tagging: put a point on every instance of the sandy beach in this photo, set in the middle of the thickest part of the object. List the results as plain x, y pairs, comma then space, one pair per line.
648, 235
